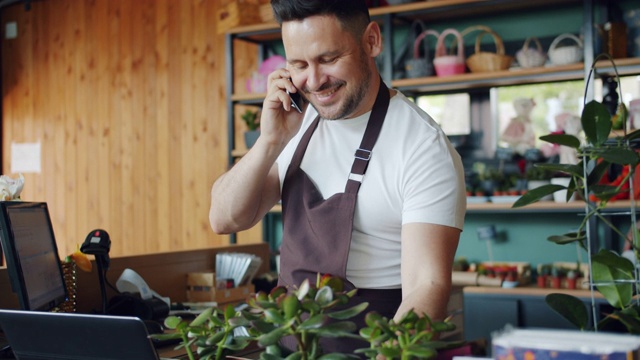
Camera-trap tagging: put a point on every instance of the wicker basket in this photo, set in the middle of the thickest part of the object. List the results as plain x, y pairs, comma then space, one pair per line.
568, 54
482, 61
420, 66
531, 57
444, 63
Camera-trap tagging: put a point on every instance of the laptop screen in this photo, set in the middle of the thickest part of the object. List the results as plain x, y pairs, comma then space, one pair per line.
71, 336
31, 254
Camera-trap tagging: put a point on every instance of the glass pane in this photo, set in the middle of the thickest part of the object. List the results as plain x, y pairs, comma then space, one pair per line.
451, 112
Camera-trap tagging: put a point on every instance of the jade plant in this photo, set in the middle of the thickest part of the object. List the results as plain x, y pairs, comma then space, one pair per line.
307, 314
411, 337
611, 274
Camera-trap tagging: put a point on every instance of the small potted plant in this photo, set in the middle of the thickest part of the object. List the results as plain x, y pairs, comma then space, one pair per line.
251, 119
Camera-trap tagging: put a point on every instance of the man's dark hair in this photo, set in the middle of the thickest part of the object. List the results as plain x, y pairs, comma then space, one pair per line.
352, 14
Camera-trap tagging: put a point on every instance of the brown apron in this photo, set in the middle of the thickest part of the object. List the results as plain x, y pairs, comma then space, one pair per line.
317, 232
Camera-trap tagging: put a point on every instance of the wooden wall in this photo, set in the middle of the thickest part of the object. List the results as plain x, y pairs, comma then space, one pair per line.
127, 99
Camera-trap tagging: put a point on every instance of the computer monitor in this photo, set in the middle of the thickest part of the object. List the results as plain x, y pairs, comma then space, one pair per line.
31, 255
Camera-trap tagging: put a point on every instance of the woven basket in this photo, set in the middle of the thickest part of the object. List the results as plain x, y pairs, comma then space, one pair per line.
482, 61
444, 63
568, 54
420, 66
531, 57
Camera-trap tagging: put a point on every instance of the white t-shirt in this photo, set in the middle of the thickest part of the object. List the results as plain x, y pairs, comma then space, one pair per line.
414, 175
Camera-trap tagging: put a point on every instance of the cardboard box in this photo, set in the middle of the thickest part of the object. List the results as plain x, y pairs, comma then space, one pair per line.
203, 287
237, 13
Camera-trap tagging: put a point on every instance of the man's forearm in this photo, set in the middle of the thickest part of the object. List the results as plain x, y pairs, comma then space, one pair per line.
241, 196
429, 299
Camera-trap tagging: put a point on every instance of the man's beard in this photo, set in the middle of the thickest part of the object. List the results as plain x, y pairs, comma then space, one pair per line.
352, 100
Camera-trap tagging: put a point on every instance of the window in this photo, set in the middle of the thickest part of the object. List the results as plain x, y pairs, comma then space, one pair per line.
451, 112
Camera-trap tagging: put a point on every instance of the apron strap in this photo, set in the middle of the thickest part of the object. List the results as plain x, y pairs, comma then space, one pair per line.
362, 155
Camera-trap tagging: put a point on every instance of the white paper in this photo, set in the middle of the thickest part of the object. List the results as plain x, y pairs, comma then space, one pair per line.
25, 158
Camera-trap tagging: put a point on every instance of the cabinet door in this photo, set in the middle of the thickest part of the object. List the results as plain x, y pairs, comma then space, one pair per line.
535, 313
485, 314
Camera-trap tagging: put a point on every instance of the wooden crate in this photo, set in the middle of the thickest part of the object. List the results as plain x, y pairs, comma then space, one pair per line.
237, 13
202, 287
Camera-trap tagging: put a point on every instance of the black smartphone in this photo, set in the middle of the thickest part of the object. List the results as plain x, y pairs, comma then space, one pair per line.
296, 100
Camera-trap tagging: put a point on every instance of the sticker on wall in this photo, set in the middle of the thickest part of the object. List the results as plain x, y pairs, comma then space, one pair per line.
25, 158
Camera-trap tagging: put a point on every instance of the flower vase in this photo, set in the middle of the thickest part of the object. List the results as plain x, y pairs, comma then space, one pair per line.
69, 273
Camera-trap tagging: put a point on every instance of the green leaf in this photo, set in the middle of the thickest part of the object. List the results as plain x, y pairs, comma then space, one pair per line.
569, 307
290, 306
172, 322
238, 321
336, 329
229, 312
324, 296
607, 267
422, 352
166, 336
567, 238
266, 356
536, 194
633, 135
562, 139
391, 353
570, 169
620, 156
215, 338
202, 317
337, 356
273, 337
348, 313
596, 122
630, 318
596, 174
303, 290
277, 292
311, 306
313, 322
274, 316
295, 356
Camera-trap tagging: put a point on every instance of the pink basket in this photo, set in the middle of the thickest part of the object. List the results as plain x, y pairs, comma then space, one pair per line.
445, 64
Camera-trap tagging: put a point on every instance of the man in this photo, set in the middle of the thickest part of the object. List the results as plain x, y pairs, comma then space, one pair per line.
372, 190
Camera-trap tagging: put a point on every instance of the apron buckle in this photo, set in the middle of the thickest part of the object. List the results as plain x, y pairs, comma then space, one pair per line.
363, 154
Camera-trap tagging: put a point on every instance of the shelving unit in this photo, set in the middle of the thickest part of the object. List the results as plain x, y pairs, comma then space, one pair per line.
439, 11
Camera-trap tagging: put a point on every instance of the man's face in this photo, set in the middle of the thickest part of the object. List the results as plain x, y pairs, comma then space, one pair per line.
328, 65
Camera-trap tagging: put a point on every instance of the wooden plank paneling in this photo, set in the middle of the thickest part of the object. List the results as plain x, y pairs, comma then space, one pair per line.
127, 99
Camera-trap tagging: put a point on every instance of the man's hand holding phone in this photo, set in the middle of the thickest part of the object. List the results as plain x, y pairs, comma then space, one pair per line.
282, 110
296, 100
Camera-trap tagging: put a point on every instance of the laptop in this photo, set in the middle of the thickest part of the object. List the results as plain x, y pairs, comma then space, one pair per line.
35, 335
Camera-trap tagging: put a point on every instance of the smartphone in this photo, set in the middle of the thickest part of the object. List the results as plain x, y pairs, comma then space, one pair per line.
296, 100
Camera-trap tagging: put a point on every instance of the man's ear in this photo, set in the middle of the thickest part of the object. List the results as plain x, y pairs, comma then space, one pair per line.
372, 39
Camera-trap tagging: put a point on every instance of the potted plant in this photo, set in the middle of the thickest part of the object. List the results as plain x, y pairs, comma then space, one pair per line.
251, 119
304, 314
610, 273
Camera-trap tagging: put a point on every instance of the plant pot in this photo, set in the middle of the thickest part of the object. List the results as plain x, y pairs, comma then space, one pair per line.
542, 281
250, 137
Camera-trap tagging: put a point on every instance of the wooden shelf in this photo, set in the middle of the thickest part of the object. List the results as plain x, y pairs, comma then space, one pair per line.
515, 76
550, 207
528, 291
425, 10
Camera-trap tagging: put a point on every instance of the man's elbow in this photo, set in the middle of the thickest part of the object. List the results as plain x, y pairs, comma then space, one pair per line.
217, 225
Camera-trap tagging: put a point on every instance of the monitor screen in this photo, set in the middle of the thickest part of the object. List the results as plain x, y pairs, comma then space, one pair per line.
31, 255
